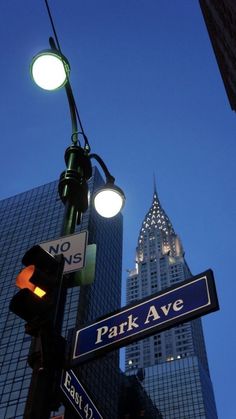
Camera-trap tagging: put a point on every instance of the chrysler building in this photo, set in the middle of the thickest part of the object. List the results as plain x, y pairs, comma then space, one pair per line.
173, 364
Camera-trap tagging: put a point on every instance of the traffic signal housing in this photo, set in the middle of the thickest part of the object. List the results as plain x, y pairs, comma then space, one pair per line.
40, 284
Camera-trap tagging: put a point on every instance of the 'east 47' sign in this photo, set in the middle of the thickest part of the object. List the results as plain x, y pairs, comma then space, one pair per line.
78, 396
184, 301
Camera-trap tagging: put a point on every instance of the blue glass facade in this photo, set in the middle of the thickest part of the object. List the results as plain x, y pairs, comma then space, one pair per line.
28, 219
181, 388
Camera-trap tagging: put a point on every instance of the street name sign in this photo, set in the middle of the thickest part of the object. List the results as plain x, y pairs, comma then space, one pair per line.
78, 396
73, 248
185, 301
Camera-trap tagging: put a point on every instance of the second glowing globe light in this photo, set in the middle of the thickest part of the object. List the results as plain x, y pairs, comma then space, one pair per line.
109, 200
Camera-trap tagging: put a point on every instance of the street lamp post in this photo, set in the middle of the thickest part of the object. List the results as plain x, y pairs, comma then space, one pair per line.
50, 70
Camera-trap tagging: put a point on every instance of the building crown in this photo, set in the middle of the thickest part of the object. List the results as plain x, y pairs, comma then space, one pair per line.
157, 218
157, 234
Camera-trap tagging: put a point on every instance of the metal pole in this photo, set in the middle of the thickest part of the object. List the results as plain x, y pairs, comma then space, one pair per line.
73, 193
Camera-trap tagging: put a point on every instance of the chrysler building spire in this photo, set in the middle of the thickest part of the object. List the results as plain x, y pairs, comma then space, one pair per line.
154, 184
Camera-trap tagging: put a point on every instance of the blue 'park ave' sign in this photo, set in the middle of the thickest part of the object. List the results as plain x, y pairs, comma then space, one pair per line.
78, 396
184, 301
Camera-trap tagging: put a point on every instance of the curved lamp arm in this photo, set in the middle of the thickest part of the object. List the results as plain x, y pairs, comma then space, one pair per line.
109, 177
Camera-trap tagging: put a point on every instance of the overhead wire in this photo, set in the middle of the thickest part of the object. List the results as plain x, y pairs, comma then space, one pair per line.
87, 146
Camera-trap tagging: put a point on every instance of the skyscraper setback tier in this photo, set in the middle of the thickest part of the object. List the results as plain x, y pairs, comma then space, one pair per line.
174, 365
30, 218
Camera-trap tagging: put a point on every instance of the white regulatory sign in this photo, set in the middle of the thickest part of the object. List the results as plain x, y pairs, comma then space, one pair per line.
73, 248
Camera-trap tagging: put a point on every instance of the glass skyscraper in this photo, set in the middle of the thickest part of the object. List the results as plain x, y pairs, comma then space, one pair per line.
30, 218
174, 363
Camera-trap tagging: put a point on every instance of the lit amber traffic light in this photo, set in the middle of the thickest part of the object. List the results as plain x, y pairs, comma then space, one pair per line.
23, 281
38, 283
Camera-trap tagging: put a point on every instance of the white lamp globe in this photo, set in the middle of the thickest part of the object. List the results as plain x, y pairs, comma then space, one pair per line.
50, 70
109, 201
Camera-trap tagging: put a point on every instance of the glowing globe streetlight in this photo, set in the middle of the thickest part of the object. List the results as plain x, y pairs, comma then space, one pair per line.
50, 70
109, 200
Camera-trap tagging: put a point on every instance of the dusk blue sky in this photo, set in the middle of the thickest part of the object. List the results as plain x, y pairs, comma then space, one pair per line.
151, 100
